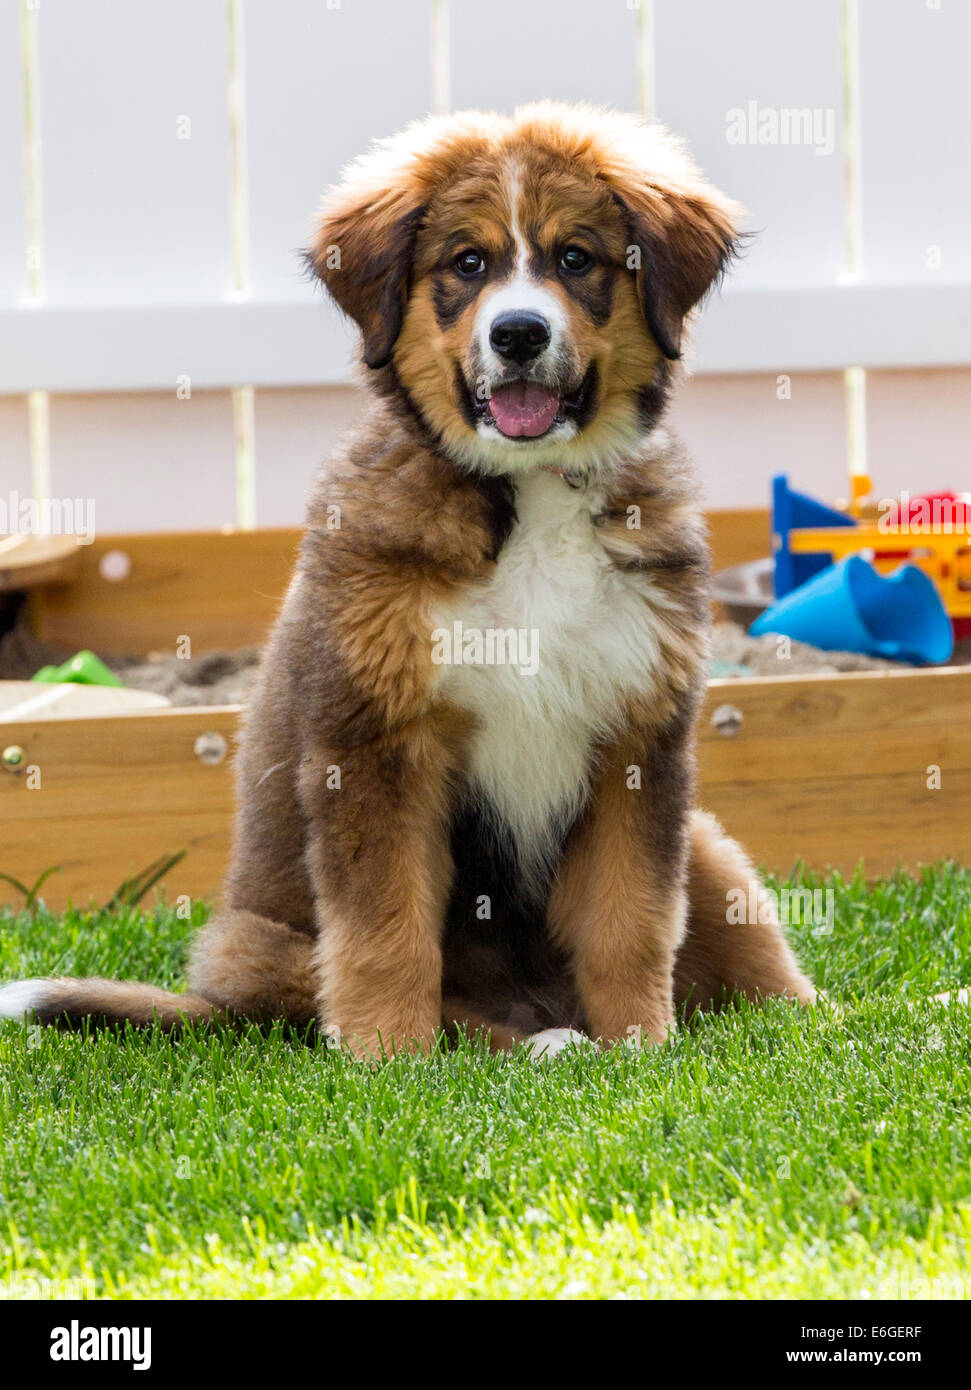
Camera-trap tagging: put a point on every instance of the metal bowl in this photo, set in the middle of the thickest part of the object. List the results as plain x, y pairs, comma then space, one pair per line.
745, 591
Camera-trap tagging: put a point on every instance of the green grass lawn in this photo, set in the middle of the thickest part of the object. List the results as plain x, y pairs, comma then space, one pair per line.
767, 1153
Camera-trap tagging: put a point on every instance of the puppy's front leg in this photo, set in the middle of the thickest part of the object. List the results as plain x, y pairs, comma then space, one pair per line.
381, 868
618, 906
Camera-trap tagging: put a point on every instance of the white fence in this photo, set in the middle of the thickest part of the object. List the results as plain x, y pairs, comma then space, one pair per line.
160, 161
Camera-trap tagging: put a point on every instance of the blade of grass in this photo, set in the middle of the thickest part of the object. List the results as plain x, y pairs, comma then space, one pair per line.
30, 894
134, 889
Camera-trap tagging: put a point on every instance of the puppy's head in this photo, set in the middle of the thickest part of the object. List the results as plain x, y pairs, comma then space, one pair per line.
522, 283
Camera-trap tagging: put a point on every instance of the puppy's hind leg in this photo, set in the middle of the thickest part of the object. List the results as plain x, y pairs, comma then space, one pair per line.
254, 967
717, 958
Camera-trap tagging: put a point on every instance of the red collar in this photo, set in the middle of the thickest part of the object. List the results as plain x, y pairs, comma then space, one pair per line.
573, 477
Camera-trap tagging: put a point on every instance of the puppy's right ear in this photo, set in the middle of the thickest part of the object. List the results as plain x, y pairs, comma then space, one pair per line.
362, 252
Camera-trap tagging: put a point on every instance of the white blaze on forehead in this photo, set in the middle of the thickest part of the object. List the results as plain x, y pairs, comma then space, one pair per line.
515, 198
522, 292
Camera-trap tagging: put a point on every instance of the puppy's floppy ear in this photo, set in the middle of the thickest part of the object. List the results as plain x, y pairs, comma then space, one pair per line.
362, 252
682, 237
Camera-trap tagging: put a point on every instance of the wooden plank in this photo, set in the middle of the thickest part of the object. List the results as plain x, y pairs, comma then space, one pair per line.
783, 708
739, 536
222, 590
900, 721
822, 752
742, 429
830, 769
228, 587
517, 52
835, 769
146, 462
715, 60
885, 822
13, 224
114, 795
135, 200
915, 111
837, 793
322, 81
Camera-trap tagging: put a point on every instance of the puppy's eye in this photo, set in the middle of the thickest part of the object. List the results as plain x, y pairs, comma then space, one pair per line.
576, 260
469, 263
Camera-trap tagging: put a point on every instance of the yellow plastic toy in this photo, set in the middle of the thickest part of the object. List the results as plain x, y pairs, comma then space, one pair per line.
932, 532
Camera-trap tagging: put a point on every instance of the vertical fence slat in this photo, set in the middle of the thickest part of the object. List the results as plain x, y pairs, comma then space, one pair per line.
915, 119
726, 72
14, 449
131, 210
13, 261
512, 51
148, 462
321, 84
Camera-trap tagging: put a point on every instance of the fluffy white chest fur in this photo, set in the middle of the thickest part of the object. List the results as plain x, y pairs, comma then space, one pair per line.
586, 635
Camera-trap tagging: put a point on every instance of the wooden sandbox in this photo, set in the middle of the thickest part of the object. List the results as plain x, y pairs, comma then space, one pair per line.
830, 770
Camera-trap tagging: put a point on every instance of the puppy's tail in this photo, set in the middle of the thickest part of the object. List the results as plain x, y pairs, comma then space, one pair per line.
70, 1002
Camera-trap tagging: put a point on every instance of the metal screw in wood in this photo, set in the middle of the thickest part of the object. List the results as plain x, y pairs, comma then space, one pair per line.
13, 758
211, 748
727, 720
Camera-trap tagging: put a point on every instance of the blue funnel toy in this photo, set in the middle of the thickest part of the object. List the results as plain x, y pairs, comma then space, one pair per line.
791, 510
849, 607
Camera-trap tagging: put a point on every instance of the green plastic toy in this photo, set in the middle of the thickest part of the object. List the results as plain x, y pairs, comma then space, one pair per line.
83, 669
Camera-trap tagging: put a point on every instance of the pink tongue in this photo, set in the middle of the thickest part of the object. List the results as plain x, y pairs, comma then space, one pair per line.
524, 408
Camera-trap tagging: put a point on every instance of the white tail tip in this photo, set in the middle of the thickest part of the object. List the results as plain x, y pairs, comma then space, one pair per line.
19, 997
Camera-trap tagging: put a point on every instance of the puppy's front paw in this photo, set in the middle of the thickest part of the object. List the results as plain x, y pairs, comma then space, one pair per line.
543, 1047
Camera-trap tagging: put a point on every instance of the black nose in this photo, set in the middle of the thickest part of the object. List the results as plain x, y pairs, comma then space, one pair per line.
519, 336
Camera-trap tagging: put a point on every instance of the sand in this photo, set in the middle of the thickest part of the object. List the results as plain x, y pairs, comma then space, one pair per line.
225, 678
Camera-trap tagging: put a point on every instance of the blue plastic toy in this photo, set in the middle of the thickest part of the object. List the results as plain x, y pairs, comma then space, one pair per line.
849, 607
790, 511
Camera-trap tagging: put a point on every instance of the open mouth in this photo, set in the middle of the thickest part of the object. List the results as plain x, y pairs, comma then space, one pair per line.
524, 409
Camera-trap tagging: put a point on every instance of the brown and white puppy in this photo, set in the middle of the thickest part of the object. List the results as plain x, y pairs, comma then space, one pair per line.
467, 777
